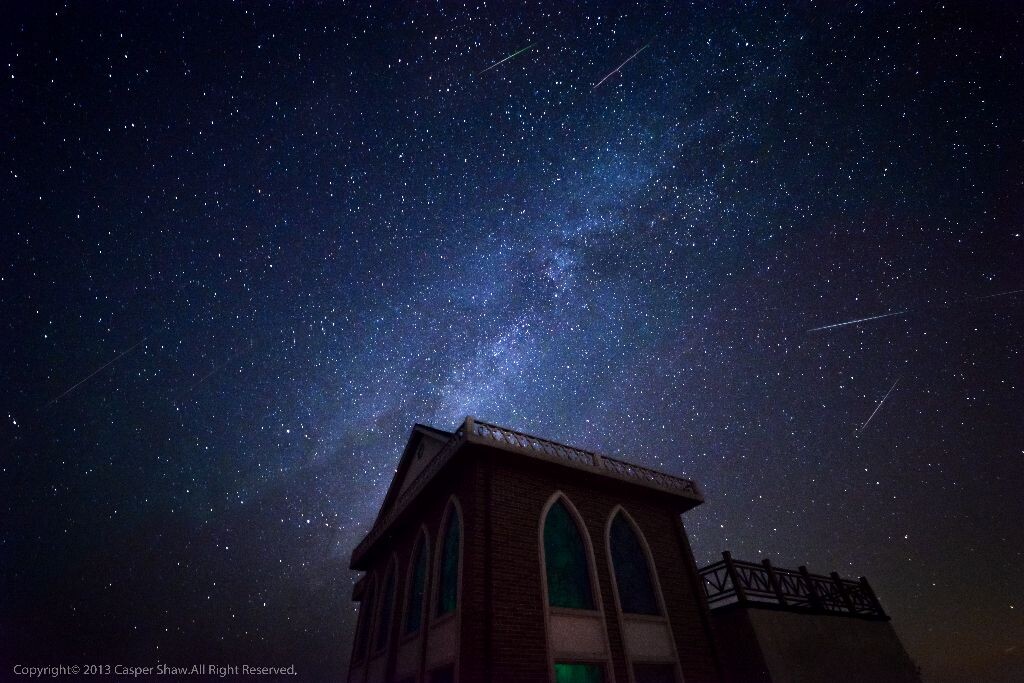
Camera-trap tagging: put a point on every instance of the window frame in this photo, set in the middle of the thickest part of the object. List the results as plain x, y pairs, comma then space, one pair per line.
648, 558
422, 541
433, 620
589, 558
377, 649
595, 586
361, 649
605, 665
662, 618
631, 664
451, 505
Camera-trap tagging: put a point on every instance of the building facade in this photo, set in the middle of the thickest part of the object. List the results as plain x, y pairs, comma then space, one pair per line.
499, 556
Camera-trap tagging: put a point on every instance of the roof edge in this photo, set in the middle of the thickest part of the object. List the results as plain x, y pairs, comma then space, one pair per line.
484, 433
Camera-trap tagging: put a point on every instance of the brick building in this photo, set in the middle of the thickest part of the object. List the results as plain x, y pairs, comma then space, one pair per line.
498, 556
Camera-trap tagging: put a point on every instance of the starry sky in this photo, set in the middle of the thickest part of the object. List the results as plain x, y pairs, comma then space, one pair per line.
245, 246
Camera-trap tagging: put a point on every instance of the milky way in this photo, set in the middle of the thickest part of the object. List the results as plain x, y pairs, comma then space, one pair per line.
328, 224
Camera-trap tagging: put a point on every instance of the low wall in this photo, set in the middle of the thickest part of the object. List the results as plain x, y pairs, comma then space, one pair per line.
762, 645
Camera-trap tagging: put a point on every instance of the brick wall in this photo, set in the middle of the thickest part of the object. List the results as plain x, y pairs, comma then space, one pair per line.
463, 482
502, 610
519, 489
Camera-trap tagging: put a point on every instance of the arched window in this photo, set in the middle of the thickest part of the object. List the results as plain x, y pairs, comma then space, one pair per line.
578, 673
632, 571
448, 568
417, 587
363, 626
565, 559
387, 609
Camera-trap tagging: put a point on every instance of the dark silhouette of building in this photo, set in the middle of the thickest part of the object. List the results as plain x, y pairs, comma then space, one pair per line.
499, 556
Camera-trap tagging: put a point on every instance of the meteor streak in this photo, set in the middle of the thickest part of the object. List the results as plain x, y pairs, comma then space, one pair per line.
99, 370
502, 61
217, 368
904, 312
858, 320
993, 296
619, 67
868, 421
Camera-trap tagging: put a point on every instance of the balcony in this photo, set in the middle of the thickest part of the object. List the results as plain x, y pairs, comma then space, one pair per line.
735, 582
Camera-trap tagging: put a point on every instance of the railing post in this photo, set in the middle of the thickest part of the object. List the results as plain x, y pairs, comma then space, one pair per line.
812, 594
773, 580
842, 592
734, 576
866, 587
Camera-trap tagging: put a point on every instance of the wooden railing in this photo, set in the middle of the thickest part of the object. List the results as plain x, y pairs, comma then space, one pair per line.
730, 581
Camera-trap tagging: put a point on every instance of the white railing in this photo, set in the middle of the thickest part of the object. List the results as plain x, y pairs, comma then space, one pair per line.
545, 449
534, 445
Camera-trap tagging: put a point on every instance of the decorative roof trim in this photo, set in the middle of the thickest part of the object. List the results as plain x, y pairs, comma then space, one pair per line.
484, 433
508, 439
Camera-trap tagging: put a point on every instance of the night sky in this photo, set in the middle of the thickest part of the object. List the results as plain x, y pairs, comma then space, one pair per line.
245, 247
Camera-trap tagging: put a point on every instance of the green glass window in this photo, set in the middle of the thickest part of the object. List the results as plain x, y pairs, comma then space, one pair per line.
632, 573
565, 555
654, 672
448, 581
414, 610
363, 627
578, 673
387, 609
